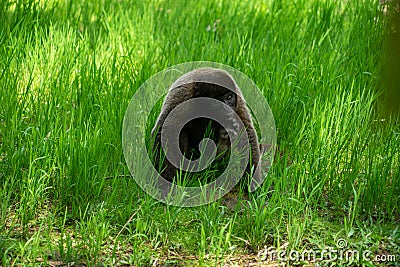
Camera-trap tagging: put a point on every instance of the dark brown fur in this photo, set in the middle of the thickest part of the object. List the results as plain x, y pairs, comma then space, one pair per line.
184, 89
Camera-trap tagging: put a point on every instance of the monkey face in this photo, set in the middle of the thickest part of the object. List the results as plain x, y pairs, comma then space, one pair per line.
230, 99
223, 94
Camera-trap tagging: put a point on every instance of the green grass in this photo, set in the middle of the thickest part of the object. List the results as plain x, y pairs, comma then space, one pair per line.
68, 70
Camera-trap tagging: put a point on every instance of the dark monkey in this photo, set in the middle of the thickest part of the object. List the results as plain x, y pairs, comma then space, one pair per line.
210, 83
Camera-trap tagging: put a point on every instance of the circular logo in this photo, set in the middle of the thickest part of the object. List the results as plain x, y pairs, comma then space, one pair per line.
182, 113
341, 243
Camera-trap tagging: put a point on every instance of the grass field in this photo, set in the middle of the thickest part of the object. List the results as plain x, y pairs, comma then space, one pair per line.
68, 70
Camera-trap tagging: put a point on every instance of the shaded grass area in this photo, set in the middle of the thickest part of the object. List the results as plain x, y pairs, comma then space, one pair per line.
69, 68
